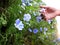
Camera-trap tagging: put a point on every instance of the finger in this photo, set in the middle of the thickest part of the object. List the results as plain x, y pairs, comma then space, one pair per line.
44, 7
44, 13
46, 18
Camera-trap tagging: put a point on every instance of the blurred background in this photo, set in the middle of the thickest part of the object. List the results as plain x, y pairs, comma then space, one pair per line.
21, 23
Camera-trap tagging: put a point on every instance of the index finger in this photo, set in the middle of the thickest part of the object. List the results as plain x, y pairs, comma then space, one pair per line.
44, 7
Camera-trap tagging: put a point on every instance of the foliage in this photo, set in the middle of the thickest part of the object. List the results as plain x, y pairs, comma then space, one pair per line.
21, 24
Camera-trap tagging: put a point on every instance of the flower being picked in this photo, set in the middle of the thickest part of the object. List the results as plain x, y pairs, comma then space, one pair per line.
42, 10
27, 17
35, 31
18, 24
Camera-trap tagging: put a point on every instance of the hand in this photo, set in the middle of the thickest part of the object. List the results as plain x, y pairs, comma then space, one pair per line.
49, 12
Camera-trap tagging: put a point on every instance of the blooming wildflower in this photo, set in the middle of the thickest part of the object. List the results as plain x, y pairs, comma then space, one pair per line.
40, 29
42, 10
30, 30
35, 31
38, 18
23, 1
30, 4
58, 40
18, 24
26, 2
27, 17
49, 21
45, 29
17, 21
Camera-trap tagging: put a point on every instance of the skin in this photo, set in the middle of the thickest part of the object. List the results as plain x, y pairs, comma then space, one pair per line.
50, 12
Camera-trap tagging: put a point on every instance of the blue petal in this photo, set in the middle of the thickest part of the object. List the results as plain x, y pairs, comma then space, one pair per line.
35, 31
23, 1
20, 26
38, 18
27, 17
17, 21
58, 39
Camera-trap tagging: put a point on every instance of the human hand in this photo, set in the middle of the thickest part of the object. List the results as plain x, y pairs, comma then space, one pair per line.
49, 12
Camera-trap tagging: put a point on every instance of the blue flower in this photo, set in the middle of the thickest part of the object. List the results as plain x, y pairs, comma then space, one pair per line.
40, 29
23, 1
18, 24
42, 10
29, 4
49, 21
45, 29
30, 30
26, 2
17, 21
58, 39
38, 18
27, 17
35, 31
